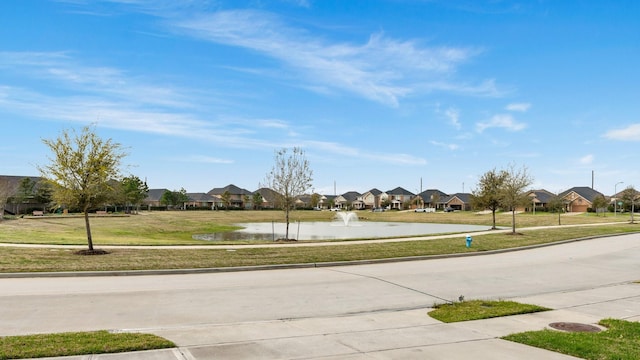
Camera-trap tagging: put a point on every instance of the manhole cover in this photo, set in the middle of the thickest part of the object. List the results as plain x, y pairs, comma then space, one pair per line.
574, 327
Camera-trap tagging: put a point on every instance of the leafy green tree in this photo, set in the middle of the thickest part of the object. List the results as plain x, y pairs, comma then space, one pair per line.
629, 197
488, 194
134, 191
257, 200
314, 200
512, 192
290, 177
24, 192
44, 194
80, 169
226, 199
599, 204
556, 205
174, 198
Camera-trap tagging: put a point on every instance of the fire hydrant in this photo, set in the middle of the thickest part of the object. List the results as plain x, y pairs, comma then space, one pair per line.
469, 240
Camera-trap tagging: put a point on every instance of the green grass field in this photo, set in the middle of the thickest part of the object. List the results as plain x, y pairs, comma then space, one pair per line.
176, 228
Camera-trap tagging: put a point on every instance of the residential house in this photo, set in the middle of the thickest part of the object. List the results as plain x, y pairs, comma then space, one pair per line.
399, 197
9, 189
346, 200
153, 197
371, 199
579, 199
458, 201
237, 196
203, 200
539, 199
270, 198
431, 198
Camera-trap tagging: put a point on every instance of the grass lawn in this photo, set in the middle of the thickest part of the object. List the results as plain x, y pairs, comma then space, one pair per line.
176, 228
480, 309
80, 343
618, 342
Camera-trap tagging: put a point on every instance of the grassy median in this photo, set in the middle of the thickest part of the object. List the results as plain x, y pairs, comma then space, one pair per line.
78, 343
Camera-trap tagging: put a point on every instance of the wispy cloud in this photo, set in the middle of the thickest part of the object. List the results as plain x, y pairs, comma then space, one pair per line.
586, 160
381, 69
520, 107
203, 159
630, 133
503, 121
445, 145
454, 117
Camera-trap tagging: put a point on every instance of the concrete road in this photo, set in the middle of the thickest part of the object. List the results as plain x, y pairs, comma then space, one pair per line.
375, 311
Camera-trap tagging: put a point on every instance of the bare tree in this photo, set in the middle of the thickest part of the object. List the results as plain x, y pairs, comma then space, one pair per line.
80, 169
290, 177
512, 193
488, 195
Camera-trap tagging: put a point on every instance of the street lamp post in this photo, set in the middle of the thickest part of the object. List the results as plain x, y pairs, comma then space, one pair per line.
615, 201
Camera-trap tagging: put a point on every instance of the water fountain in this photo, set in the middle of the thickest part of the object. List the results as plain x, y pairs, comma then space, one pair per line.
347, 217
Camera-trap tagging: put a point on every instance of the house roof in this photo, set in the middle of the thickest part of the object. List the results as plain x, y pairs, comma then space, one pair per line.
13, 182
464, 197
268, 195
584, 191
374, 192
400, 191
426, 195
543, 196
202, 197
232, 189
155, 194
351, 195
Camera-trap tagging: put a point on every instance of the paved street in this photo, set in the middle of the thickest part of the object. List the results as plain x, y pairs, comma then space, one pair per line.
376, 311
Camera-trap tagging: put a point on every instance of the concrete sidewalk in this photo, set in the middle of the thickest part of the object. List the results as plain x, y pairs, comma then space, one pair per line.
393, 334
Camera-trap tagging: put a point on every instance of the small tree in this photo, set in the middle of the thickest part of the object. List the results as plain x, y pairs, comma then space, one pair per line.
24, 192
174, 198
134, 191
290, 177
512, 192
257, 200
488, 195
315, 200
226, 199
80, 169
556, 204
629, 197
599, 204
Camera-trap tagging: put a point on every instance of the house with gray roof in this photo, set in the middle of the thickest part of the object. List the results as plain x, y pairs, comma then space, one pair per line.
237, 195
398, 197
431, 198
457, 201
579, 199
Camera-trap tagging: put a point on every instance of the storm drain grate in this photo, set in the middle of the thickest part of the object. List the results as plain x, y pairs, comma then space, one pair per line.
574, 327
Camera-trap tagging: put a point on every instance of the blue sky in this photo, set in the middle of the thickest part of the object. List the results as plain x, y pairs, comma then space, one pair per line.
380, 94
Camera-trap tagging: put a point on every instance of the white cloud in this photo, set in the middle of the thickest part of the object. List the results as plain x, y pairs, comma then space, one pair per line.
204, 159
586, 160
520, 107
504, 121
630, 133
445, 145
454, 117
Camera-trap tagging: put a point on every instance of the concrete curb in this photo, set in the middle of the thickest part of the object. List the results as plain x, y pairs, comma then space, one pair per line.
287, 266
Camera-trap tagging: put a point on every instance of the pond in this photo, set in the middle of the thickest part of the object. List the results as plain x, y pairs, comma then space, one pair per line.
336, 230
